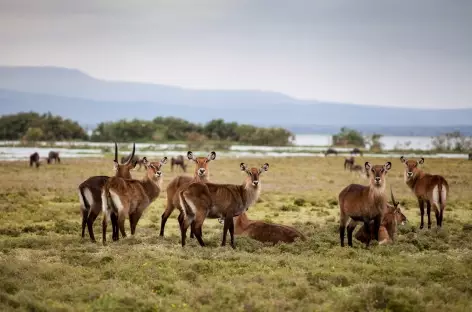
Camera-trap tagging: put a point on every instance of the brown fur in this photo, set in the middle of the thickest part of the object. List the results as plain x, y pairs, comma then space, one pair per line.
94, 185
363, 203
428, 188
265, 232
178, 161
34, 159
54, 156
201, 171
348, 163
387, 229
127, 197
201, 200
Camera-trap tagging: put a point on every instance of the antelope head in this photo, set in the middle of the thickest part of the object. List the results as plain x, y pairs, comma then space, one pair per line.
399, 216
201, 168
411, 167
377, 173
153, 168
254, 173
123, 170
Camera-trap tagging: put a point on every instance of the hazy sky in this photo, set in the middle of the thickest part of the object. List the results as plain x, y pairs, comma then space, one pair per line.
395, 53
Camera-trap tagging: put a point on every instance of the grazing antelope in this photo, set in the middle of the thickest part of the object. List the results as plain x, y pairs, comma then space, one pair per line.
393, 215
470, 156
364, 203
54, 156
359, 169
432, 189
179, 161
331, 151
202, 173
199, 200
265, 232
348, 163
356, 151
123, 197
90, 193
34, 159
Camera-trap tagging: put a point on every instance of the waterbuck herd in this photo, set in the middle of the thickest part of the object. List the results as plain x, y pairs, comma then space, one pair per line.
196, 199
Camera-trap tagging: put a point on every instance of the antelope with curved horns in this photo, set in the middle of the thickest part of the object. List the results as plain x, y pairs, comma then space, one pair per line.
201, 173
393, 215
200, 200
90, 193
428, 188
123, 197
364, 203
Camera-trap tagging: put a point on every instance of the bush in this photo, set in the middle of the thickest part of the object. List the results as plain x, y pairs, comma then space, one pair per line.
348, 137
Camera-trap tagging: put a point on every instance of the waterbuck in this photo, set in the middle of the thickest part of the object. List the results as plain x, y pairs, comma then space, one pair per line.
34, 159
348, 163
53, 156
90, 193
263, 231
331, 151
364, 203
178, 161
356, 151
393, 215
200, 200
202, 172
129, 197
432, 189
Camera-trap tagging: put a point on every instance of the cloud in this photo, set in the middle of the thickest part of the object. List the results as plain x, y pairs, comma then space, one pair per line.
398, 53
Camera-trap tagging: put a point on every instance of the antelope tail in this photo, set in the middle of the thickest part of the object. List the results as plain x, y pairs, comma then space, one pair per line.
84, 199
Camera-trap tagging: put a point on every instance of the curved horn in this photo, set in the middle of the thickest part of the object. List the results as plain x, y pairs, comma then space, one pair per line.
116, 153
132, 154
393, 198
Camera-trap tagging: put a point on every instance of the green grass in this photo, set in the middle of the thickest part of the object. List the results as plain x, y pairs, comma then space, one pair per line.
46, 266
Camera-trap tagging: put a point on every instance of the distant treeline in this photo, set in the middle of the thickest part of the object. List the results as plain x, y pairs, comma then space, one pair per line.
35, 127
176, 129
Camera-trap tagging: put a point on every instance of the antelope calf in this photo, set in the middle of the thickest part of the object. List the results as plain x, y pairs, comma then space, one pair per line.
265, 232
202, 173
432, 189
199, 200
364, 203
53, 156
122, 197
393, 215
90, 193
34, 159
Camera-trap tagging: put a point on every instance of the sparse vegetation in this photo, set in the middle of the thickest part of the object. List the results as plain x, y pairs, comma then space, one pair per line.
348, 137
46, 266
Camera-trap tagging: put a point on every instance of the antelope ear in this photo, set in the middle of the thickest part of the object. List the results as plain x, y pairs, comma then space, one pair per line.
145, 161
403, 159
367, 165
243, 166
190, 155
211, 156
264, 167
421, 161
388, 166
163, 161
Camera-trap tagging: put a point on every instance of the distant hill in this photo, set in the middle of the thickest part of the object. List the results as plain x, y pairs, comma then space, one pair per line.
73, 94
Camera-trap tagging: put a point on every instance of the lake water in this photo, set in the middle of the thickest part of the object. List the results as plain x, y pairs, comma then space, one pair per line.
304, 145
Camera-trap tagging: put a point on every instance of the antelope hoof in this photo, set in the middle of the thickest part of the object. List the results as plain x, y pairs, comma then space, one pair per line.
421, 227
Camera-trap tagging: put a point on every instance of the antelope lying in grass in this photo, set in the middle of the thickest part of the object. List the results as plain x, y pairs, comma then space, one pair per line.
432, 189
123, 197
393, 215
263, 231
201, 200
364, 203
90, 193
202, 173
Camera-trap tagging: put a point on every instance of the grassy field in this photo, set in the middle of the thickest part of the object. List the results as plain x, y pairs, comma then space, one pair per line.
46, 266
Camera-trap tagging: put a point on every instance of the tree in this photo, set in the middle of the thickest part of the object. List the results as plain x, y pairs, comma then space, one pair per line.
348, 137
